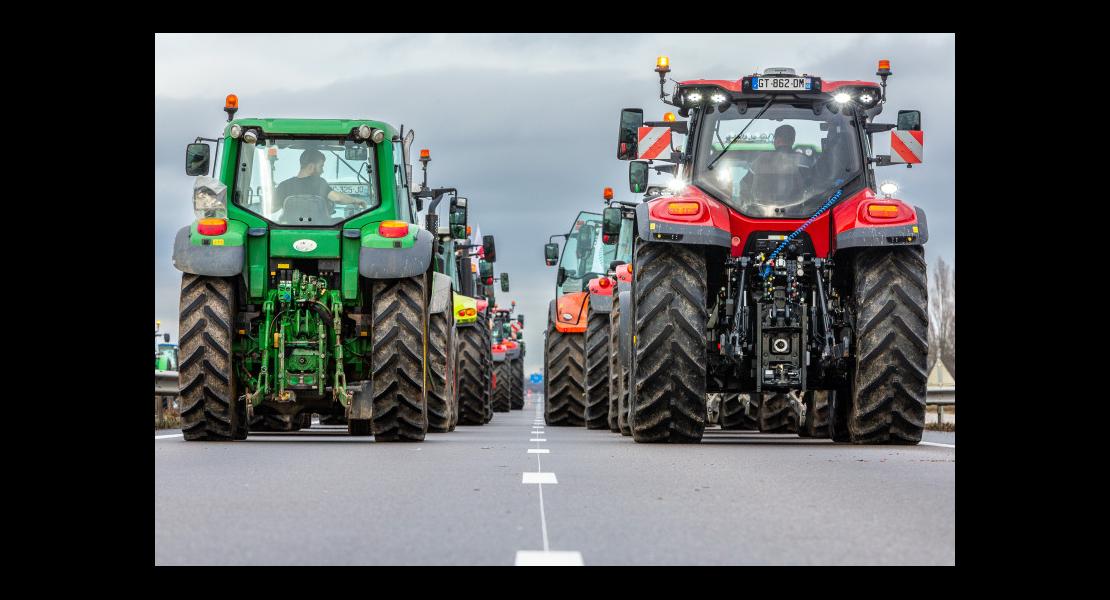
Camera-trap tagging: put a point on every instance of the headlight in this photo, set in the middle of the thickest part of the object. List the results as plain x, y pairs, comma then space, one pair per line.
842, 98
889, 188
866, 98
209, 198
364, 132
249, 136
236, 131
717, 98
693, 97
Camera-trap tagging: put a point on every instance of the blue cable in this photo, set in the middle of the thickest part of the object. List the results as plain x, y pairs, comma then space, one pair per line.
789, 238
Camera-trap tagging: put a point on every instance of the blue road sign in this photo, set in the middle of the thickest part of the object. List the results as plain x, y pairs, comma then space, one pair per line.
536, 377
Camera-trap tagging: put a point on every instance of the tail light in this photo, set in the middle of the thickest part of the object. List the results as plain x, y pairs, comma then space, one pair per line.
683, 208
211, 226
604, 282
883, 211
393, 229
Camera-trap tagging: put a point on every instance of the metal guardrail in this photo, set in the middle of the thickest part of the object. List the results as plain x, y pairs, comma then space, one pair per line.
165, 383
940, 397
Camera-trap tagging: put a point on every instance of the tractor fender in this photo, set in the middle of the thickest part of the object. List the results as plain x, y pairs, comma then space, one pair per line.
913, 231
397, 263
441, 294
574, 304
215, 261
710, 228
601, 303
361, 405
624, 332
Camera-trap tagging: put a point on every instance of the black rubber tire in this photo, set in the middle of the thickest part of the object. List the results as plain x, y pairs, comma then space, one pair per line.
471, 397
779, 413
564, 364
670, 355
816, 422
398, 360
440, 328
597, 370
454, 375
208, 385
614, 367
502, 390
734, 413
487, 372
890, 304
517, 395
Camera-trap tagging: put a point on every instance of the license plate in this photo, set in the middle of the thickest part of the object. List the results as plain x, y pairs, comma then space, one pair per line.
782, 84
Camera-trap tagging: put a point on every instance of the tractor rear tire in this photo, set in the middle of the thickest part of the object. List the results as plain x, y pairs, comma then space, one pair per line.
517, 396
397, 361
502, 390
816, 422
208, 382
669, 317
734, 413
779, 413
471, 402
597, 370
564, 360
440, 385
487, 357
614, 366
890, 305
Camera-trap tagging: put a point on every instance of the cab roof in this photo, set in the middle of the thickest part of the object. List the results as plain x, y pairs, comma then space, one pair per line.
311, 126
827, 87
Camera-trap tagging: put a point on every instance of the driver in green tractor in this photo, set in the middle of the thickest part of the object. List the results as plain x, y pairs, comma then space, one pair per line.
308, 182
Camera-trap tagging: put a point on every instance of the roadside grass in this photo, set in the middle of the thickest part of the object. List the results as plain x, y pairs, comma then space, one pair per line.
950, 427
171, 419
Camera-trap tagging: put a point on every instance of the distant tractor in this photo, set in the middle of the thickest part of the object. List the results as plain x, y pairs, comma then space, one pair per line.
508, 356
585, 257
772, 271
307, 281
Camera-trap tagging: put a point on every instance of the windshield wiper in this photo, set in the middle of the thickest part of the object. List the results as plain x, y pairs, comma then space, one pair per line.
709, 167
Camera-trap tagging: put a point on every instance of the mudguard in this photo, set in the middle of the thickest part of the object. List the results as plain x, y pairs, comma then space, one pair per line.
910, 233
397, 262
513, 351
213, 260
710, 226
571, 312
624, 331
601, 303
361, 405
441, 294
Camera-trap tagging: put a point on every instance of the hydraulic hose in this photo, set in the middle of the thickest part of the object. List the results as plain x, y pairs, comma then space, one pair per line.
767, 265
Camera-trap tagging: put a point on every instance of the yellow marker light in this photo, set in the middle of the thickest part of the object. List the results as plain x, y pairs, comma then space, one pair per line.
277, 336
362, 333
473, 267
883, 211
683, 208
668, 116
915, 229
283, 265
218, 242
242, 332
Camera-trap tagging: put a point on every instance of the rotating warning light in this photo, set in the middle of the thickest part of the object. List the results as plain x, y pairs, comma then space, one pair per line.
884, 67
662, 64
668, 117
607, 193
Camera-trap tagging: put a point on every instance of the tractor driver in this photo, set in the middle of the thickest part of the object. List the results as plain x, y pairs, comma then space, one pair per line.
308, 182
775, 177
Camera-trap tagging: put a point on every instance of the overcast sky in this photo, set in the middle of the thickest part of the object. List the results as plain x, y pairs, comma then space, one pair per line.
522, 124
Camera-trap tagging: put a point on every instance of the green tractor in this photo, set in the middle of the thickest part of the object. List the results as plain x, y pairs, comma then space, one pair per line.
165, 357
459, 356
308, 289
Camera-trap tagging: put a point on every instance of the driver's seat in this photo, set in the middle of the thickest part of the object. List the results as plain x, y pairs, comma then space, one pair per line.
776, 178
305, 209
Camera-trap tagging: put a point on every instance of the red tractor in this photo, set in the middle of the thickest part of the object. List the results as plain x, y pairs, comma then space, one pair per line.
771, 268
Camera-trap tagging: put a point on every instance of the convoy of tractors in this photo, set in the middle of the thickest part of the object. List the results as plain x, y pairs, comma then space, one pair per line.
773, 284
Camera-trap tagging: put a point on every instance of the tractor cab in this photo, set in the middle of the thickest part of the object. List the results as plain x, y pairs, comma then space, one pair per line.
585, 254
166, 358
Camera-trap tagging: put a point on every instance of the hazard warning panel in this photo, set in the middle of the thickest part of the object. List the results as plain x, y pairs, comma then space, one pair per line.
654, 141
905, 146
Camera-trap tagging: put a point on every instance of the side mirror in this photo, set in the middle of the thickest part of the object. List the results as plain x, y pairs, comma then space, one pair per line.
485, 269
909, 120
196, 159
520, 320
562, 277
628, 136
488, 248
504, 282
610, 225
458, 218
550, 254
637, 176
166, 337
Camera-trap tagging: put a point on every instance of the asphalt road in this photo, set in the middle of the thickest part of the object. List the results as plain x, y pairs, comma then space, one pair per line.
320, 497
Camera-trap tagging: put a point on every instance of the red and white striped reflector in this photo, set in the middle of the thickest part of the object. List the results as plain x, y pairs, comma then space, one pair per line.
906, 146
653, 142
